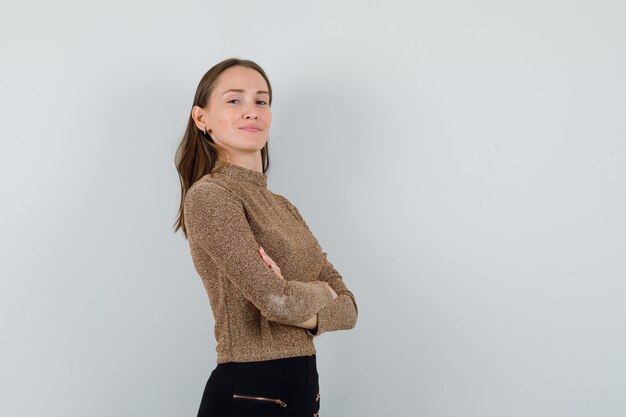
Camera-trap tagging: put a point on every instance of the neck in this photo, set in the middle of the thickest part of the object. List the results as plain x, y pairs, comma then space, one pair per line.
252, 161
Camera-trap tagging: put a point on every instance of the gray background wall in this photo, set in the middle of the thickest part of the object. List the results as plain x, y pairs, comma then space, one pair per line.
461, 162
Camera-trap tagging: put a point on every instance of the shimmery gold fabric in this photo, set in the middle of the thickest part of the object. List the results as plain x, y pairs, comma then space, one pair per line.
228, 214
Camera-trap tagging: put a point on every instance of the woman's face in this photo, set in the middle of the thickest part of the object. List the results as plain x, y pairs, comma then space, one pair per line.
238, 116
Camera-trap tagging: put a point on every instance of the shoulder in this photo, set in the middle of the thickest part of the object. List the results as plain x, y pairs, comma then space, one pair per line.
281, 198
284, 201
209, 190
290, 206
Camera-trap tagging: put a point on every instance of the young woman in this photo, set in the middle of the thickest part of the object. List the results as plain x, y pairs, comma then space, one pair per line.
270, 285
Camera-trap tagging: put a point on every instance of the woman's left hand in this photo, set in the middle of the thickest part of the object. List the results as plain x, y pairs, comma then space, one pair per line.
270, 262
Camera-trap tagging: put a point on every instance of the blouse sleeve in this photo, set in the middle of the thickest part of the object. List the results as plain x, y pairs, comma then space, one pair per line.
216, 222
342, 313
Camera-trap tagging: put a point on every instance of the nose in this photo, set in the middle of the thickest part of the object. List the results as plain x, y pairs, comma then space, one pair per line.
250, 112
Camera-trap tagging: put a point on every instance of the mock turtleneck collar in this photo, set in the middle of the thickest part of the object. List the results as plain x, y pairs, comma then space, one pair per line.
238, 172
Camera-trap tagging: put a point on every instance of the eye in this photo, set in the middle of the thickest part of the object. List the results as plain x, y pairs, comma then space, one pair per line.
233, 100
262, 102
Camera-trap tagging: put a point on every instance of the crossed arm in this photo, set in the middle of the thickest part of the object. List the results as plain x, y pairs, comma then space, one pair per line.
342, 312
214, 215
310, 324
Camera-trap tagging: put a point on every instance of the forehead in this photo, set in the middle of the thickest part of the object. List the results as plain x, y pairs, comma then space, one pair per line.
240, 78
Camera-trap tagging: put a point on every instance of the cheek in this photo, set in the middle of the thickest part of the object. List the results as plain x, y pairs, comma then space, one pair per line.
225, 120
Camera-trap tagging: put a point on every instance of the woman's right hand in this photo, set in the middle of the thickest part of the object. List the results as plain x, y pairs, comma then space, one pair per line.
270, 262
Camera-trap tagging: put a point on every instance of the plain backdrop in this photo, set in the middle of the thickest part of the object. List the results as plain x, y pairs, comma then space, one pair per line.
462, 163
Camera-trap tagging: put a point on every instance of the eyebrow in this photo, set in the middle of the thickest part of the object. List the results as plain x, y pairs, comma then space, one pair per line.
239, 90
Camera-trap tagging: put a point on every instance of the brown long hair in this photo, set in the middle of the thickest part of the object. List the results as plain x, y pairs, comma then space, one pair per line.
196, 154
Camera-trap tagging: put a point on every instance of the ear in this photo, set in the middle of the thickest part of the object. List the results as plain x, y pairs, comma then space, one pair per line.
199, 117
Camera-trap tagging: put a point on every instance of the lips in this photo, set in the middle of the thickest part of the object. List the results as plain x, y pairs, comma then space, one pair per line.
250, 128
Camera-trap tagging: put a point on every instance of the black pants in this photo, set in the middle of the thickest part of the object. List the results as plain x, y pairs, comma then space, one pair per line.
277, 388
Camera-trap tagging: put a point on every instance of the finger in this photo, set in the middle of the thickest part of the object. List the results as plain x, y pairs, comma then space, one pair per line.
269, 261
266, 256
